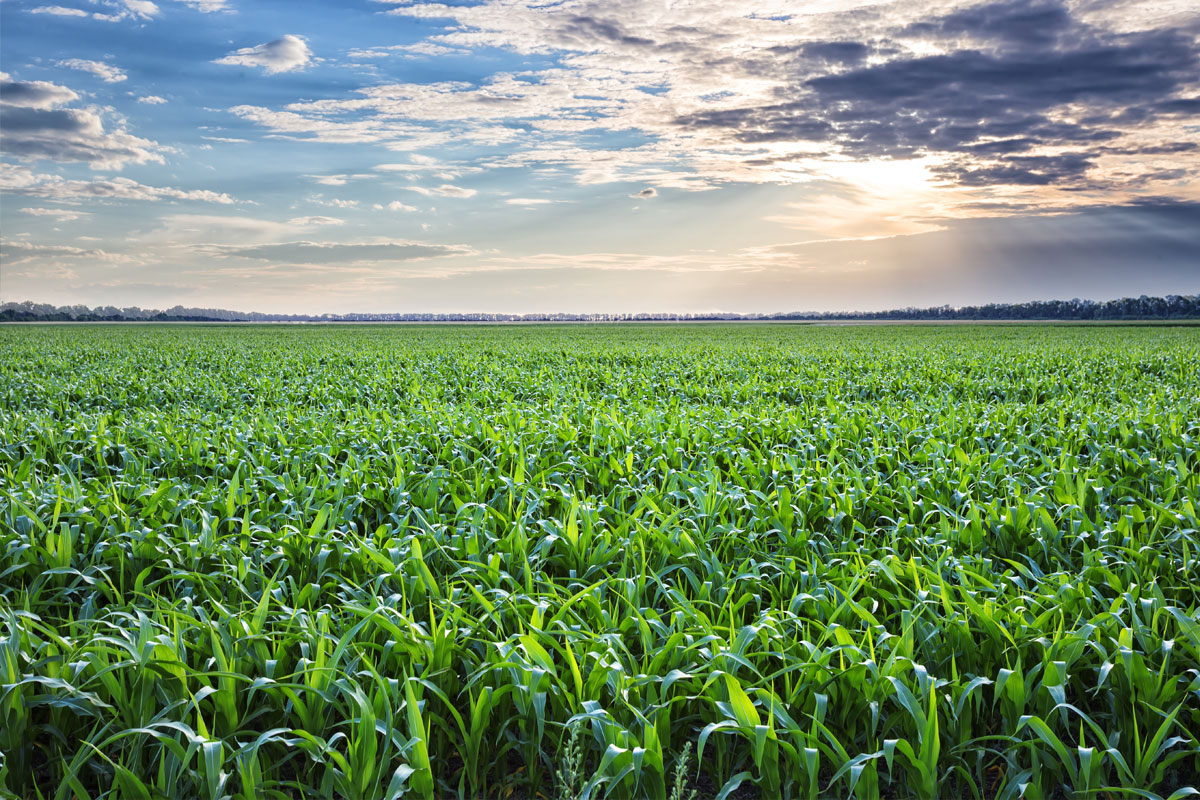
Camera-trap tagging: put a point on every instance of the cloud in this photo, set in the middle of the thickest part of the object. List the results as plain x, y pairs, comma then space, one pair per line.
527, 201
59, 11
14, 252
63, 214
445, 190
141, 8
20, 180
152, 100
40, 95
35, 127
126, 9
417, 50
105, 72
1005, 82
321, 128
207, 6
306, 222
372, 252
1037, 24
717, 95
285, 54
120, 10
645, 194
948, 101
181, 229
1062, 168
417, 163
395, 205
332, 202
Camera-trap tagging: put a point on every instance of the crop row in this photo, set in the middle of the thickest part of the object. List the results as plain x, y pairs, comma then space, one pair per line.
372, 562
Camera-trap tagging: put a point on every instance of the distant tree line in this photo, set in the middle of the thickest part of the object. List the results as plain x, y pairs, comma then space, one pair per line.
1171, 307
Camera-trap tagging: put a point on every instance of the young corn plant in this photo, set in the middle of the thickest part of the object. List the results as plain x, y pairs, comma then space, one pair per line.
422, 562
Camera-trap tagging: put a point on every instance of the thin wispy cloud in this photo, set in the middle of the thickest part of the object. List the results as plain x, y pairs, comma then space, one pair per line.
59, 11
445, 190
207, 6
105, 72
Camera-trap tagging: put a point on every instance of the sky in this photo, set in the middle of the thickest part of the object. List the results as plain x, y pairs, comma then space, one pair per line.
597, 155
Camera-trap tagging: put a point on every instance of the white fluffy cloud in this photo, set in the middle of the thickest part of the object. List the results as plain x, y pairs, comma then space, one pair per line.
285, 54
152, 100
119, 10
126, 9
105, 72
33, 94
141, 8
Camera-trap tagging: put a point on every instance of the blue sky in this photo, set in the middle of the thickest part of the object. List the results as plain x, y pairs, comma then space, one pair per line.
512, 155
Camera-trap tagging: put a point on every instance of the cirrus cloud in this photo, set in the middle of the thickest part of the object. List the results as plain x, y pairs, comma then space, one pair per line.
21, 180
59, 11
320, 253
445, 190
105, 72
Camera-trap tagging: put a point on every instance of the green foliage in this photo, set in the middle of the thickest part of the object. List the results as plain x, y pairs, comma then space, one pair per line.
383, 562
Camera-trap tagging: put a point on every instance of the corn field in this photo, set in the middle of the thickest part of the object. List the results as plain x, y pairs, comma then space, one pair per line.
776, 561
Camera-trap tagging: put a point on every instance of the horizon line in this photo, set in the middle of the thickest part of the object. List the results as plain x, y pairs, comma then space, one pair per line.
1145, 307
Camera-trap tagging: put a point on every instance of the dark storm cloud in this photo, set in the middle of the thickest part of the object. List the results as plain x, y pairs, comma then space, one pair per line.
840, 52
1135, 69
1022, 24
1154, 149
1014, 79
605, 30
1019, 170
1189, 106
